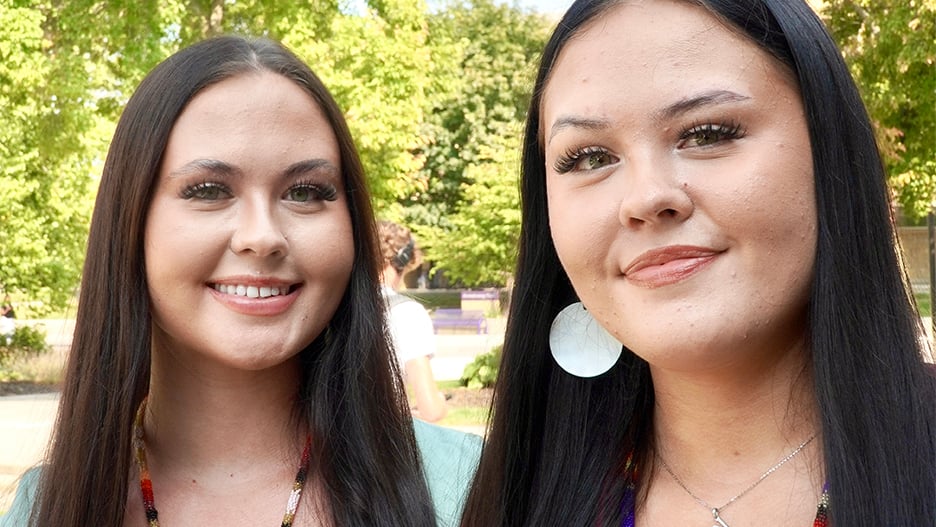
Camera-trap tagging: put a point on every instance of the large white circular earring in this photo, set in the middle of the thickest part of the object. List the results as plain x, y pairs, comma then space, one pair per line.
580, 345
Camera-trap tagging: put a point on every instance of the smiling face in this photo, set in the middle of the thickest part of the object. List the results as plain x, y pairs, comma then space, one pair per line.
680, 186
248, 239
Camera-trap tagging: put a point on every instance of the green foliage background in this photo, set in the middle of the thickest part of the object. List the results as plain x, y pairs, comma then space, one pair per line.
27, 342
435, 98
482, 371
890, 46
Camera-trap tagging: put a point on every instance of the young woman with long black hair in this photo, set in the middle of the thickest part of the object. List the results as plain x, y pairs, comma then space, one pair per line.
710, 323
229, 363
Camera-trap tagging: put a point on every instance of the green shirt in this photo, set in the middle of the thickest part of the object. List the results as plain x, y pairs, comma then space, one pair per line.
449, 461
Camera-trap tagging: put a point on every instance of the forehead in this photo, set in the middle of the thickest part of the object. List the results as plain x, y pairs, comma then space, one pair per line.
641, 51
258, 119
250, 95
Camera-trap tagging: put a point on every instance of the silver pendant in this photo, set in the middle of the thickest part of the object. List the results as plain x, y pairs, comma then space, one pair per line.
718, 521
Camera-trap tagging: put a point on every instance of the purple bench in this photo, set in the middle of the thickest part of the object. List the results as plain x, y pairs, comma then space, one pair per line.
456, 318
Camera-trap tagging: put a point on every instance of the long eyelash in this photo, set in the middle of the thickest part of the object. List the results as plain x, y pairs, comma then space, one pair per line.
325, 191
566, 162
191, 191
727, 129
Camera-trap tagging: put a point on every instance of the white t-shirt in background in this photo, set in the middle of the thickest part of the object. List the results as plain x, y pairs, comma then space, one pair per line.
410, 328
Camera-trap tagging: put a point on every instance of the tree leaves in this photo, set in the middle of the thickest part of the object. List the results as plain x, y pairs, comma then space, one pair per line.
69, 67
890, 46
467, 215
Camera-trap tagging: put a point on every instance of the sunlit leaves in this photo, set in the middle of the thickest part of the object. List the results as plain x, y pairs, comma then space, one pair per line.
890, 46
467, 212
434, 102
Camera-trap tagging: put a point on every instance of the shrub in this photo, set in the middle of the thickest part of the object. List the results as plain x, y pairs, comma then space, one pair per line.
28, 341
482, 371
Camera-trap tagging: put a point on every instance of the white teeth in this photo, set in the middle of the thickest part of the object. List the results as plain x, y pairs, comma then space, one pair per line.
250, 291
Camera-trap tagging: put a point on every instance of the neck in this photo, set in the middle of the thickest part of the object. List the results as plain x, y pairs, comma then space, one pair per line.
721, 425
390, 277
729, 424
217, 419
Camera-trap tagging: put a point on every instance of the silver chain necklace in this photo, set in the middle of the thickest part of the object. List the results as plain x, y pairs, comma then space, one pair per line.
716, 511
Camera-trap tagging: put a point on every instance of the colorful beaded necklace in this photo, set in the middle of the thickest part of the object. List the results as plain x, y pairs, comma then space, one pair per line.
146, 485
630, 498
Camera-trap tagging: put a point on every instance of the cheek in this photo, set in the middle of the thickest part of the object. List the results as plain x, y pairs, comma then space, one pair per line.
577, 234
788, 216
156, 246
175, 245
560, 225
775, 218
329, 250
343, 261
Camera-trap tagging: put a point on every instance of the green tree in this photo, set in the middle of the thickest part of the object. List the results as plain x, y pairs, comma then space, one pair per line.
890, 46
467, 210
69, 67
44, 175
375, 65
479, 245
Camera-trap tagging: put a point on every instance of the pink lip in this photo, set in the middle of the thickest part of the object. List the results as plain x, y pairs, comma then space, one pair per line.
262, 307
668, 265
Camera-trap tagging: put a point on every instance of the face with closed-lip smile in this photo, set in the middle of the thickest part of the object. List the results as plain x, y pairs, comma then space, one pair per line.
680, 185
248, 240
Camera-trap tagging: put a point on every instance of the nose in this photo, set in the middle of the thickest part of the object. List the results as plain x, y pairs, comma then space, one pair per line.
258, 232
652, 195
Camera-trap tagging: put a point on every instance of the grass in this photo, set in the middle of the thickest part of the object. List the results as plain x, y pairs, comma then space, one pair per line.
448, 385
465, 416
46, 368
923, 304
459, 413
43, 369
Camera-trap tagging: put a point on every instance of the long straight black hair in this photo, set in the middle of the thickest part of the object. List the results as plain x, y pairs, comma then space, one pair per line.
351, 396
556, 444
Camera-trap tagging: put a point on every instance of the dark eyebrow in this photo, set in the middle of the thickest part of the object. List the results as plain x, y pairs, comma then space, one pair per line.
669, 112
222, 169
703, 99
312, 165
577, 122
214, 166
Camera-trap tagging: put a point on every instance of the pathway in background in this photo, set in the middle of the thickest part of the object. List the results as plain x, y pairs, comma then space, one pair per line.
25, 424
26, 420
456, 348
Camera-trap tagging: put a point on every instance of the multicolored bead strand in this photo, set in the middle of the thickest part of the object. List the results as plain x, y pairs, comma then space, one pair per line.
822, 515
293, 503
146, 484
630, 497
629, 504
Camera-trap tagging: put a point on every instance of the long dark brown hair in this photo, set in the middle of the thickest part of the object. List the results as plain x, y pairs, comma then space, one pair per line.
365, 450
557, 444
